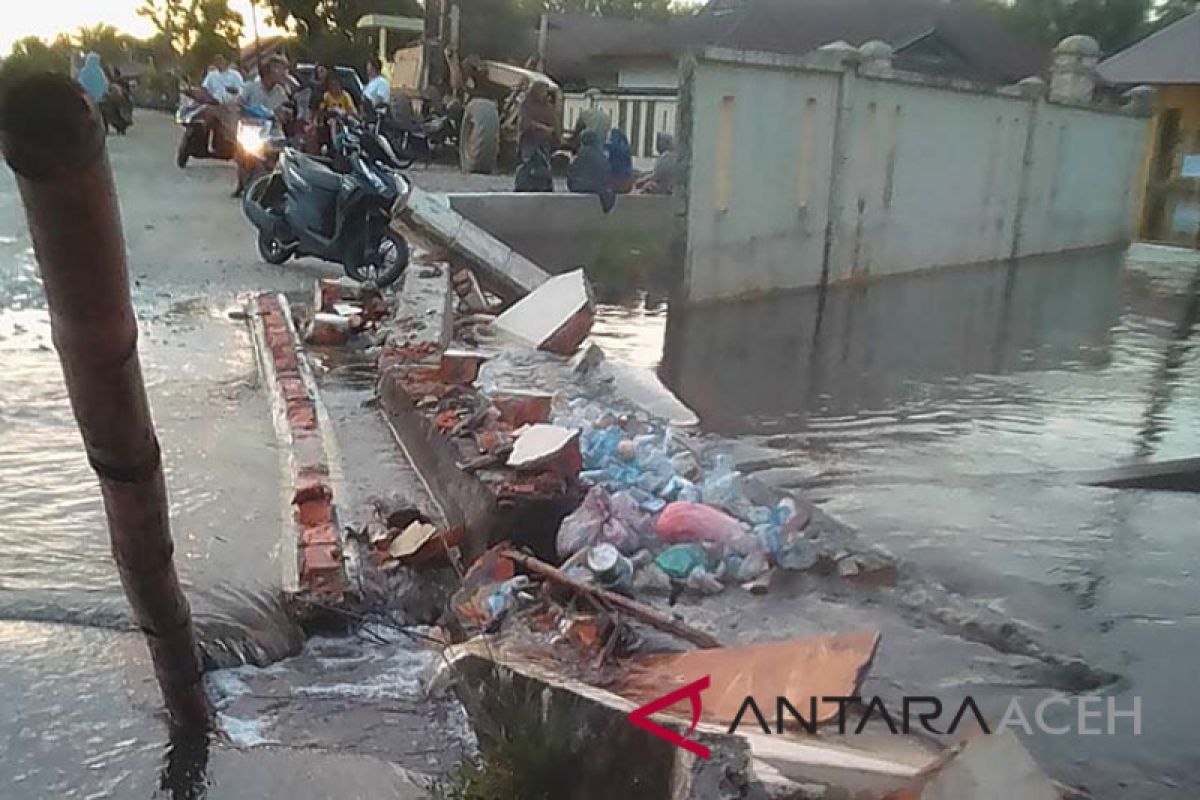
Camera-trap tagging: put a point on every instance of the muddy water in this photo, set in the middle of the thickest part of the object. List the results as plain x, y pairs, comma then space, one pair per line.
951, 417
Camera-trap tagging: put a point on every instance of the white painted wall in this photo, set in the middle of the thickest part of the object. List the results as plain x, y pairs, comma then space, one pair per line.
787, 182
650, 74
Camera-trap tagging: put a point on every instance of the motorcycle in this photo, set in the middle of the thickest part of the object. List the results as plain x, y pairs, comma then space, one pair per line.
306, 208
116, 108
415, 140
260, 140
203, 135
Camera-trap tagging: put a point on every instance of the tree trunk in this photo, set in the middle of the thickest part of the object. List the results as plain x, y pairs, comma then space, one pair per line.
53, 139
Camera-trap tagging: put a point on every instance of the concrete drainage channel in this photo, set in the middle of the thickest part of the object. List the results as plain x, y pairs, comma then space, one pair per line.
549, 646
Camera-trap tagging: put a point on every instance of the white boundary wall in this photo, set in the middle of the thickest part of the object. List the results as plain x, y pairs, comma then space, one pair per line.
800, 172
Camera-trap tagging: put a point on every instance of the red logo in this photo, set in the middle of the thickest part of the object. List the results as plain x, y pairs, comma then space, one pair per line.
641, 717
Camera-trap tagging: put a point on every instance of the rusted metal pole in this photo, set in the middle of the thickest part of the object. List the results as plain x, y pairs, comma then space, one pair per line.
53, 139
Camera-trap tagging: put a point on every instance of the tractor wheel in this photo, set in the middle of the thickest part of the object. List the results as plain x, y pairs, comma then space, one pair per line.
479, 137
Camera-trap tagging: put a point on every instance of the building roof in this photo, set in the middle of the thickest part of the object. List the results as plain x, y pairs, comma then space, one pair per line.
1169, 55
986, 51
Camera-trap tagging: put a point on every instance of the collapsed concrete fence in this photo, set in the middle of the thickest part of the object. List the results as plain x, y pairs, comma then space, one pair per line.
802, 172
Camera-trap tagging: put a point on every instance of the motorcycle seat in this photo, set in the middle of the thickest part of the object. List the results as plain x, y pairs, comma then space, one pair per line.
315, 173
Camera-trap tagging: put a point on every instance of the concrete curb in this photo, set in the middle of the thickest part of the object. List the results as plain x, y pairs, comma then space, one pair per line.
308, 459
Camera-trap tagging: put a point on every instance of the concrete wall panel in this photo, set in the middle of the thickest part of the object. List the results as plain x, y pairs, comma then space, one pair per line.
911, 173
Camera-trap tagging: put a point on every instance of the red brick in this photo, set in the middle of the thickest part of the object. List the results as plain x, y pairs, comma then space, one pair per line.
517, 409
319, 563
320, 534
293, 389
314, 512
286, 361
311, 486
302, 416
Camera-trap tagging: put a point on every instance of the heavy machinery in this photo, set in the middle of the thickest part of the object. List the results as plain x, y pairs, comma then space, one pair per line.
480, 97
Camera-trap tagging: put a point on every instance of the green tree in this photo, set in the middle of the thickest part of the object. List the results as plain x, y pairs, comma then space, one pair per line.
195, 29
1113, 23
326, 28
630, 9
112, 45
32, 54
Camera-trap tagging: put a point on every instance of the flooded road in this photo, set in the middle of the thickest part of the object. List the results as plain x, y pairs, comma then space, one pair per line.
951, 418
80, 703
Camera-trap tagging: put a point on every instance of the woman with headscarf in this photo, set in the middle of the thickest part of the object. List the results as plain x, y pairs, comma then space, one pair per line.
534, 140
92, 77
620, 161
589, 172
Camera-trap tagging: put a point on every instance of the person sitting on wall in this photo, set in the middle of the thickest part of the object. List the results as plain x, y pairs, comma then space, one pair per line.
663, 177
590, 173
620, 161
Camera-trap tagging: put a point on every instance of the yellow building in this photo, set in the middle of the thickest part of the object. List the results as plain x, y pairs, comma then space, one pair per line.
1168, 60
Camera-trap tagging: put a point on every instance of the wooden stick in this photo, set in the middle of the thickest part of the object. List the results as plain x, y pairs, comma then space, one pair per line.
52, 137
642, 613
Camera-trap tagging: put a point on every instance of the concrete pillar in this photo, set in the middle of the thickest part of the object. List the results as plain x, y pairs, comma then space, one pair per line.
1073, 75
1032, 87
876, 57
1139, 100
837, 53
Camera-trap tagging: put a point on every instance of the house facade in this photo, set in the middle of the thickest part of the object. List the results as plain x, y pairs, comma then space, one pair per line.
1169, 187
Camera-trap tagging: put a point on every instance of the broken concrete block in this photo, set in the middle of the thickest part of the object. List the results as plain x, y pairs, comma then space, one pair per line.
411, 540
555, 317
461, 367
469, 291
815, 667
547, 447
330, 291
519, 408
327, 330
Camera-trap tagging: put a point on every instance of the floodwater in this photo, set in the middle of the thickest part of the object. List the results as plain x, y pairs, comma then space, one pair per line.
951, 417
80, 705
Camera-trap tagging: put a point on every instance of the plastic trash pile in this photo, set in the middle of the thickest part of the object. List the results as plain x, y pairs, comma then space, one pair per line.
655, 519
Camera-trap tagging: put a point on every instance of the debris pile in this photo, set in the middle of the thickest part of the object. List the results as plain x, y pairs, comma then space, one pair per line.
576, 523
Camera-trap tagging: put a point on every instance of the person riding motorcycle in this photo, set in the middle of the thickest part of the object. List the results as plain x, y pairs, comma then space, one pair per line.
270, 93
221, 89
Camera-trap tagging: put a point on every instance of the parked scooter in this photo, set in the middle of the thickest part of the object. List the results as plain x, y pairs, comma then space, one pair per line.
305, 208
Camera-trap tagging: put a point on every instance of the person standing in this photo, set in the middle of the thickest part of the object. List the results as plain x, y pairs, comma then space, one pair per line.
593, 118
534, 140
92, 77
377, 92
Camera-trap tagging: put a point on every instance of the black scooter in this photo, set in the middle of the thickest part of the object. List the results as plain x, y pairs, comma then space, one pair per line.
335, 209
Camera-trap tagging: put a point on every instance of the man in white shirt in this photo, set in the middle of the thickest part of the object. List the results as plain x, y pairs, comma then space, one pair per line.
223, 82
377, 91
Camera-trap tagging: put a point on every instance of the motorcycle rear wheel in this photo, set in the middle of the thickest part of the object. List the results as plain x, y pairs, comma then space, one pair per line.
271, 250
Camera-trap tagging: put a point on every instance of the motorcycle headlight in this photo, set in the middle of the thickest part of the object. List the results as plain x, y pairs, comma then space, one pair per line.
251, 139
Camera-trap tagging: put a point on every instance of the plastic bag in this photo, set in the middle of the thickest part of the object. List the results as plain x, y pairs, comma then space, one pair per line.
596, 522
681, 560
696, 522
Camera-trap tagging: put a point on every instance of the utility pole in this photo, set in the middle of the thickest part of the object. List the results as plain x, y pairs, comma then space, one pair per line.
52, 138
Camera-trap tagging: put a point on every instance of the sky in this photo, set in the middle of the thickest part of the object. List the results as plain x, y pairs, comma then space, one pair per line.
47, 18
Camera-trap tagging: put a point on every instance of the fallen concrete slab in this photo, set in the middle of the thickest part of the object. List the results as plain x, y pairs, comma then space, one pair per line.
555, 317
502, 270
